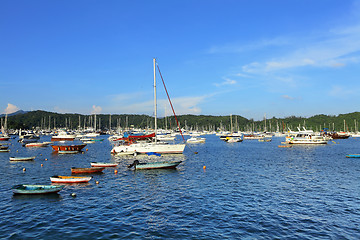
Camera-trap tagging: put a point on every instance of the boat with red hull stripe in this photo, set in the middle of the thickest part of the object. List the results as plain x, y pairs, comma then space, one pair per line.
72, 147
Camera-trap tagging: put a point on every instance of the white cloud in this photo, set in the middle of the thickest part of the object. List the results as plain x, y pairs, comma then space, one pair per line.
227, 81
287, 97
240, 47
96, 109
11, 108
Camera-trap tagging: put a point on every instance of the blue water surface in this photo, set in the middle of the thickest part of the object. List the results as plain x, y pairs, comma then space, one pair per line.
248, 190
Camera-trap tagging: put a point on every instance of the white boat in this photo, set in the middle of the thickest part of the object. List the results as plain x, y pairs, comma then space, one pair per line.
69, 179
307, 137
68, 152
92, 134
233, 139
144, 147
22, 158
103, 164
36, 144
63, 136
196, 140
166, 137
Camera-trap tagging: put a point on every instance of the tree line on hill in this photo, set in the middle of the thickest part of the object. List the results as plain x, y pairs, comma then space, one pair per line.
50, 120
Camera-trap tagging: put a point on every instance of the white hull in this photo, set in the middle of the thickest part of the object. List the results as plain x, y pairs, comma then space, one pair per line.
149, 147
196, 140
307, 141
70, 179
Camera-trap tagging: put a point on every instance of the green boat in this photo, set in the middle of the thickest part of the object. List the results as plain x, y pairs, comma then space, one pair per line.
154, 165
36, 189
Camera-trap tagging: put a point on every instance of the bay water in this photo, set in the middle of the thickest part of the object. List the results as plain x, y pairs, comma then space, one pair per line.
246, 190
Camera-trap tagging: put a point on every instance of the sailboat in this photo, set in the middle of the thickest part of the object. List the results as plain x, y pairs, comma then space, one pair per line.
149, 147
3, 135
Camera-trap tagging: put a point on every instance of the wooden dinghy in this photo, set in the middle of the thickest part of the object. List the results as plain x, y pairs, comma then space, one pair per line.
353, 155
103, 164
36, 189
22, 158
69, 179
154, 165
87, 170
68, 148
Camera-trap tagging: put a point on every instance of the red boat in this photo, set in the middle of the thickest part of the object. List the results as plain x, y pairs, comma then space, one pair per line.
87, 170
136, 137
4, 138
70, 148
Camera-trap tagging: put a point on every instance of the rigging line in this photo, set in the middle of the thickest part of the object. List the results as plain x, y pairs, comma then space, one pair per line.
170, 102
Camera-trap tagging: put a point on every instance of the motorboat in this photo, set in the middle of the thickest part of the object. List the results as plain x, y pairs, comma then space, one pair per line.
196, 140
63, 136
307, 137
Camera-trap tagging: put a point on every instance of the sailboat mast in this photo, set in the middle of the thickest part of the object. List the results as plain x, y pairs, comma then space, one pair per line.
155, 107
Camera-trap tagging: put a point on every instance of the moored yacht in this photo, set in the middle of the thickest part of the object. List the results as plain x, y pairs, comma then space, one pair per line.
63, 136
307, 137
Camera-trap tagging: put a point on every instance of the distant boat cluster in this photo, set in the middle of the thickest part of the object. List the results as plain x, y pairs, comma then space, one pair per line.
153, 142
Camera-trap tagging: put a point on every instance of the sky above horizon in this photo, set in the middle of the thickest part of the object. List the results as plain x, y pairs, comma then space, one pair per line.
250, 58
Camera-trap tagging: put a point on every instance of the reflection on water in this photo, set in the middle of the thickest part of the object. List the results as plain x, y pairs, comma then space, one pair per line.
38, 197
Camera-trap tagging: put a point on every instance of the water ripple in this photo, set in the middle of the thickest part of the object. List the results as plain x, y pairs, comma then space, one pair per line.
249, 190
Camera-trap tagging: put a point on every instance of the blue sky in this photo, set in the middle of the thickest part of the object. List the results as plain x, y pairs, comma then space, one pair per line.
251, 58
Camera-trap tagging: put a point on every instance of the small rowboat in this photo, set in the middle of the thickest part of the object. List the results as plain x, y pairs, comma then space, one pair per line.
87, 170
154, 165
36, 189
22, 158
35, 144
69, 179
353, 155
103, 164
4, 150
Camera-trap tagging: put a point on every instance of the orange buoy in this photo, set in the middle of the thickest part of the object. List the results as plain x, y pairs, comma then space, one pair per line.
115, 171
45, 159
24, 169
42, 165
97, 182
204, 167
87, 149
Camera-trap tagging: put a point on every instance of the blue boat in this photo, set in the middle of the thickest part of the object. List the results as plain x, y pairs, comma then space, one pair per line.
353, 155
36, 189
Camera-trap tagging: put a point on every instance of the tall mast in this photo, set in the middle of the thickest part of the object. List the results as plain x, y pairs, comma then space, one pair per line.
155, 108
95, 122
